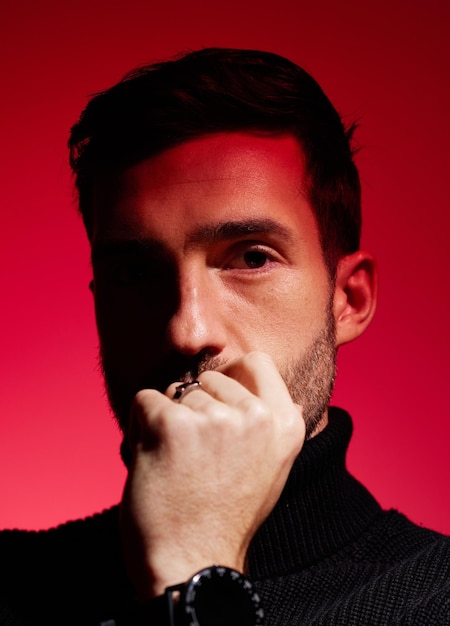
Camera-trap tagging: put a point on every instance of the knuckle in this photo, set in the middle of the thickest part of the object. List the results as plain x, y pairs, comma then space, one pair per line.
218, 412
140, 406
255, 408
141, 398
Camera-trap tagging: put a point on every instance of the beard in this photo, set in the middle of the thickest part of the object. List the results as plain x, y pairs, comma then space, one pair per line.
309, 379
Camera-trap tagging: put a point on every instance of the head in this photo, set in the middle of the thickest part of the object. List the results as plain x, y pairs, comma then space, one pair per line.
221, 199
159, 106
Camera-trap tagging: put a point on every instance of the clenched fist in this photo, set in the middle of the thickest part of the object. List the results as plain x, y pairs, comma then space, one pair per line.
206, 471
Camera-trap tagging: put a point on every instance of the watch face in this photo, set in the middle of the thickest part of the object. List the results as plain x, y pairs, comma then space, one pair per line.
219, 596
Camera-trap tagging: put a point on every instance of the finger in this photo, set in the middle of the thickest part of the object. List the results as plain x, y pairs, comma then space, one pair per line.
206, 398
179, 391
215, 385
152, 416
257, 372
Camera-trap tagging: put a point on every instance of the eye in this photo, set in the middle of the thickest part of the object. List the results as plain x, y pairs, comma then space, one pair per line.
130, 273
254, 258
250, 259
123, 272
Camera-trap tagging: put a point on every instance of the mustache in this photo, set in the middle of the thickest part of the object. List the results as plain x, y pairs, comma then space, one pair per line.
180, 368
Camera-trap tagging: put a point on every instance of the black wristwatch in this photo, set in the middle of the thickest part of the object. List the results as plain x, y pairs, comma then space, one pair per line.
214, 596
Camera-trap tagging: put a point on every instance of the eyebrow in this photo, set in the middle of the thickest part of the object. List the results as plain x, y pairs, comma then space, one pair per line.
223, 231
124, 247
235, 229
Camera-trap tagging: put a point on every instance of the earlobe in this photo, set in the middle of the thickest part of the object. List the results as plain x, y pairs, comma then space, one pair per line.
355, 295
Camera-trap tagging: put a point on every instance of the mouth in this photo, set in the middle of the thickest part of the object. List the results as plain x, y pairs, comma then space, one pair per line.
184, 370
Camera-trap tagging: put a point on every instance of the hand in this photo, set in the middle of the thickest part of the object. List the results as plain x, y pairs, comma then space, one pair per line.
206, 471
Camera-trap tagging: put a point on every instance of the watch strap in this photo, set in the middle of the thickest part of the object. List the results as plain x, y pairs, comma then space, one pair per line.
181, 610
162, 610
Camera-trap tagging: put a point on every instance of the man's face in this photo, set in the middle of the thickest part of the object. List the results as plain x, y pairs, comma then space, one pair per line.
204, 253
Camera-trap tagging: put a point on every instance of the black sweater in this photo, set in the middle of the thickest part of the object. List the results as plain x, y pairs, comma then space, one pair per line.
328, 554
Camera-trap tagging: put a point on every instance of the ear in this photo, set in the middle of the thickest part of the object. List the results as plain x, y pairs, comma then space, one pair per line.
355, 295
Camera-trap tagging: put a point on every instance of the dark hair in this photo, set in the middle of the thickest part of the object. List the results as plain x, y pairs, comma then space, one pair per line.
224, 90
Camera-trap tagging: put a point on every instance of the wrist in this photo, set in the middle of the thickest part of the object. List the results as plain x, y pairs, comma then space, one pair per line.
214, 595
156, 576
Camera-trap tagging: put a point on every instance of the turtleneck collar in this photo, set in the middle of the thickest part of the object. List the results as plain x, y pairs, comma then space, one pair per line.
321, 509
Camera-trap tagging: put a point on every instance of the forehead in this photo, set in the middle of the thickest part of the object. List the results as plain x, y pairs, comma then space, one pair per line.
212, 179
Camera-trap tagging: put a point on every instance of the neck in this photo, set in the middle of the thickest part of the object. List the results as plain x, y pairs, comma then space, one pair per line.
321, 509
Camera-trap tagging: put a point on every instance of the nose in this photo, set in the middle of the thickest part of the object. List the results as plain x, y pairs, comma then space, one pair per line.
197, 323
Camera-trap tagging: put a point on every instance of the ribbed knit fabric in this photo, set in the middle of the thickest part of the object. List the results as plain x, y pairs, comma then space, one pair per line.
327, 554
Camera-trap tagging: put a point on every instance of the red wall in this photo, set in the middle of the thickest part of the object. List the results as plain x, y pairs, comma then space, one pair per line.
385, 64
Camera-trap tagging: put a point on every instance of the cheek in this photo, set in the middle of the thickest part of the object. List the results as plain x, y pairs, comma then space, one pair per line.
130, 309
284, 317
127, 332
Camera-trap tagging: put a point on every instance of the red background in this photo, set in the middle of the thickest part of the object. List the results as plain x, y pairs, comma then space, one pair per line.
385, 64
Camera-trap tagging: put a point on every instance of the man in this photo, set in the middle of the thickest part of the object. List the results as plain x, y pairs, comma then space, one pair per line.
222, 204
